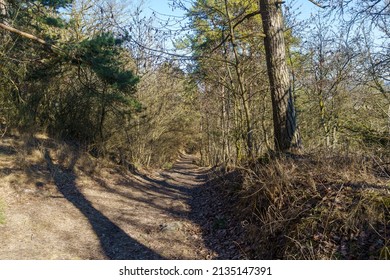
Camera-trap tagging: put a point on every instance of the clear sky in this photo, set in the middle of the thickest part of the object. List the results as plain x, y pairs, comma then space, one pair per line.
159, 5
163, 7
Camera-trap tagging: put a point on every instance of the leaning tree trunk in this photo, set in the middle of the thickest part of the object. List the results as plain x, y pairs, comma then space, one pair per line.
285, 129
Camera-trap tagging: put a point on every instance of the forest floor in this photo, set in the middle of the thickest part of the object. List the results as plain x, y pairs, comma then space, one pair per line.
58, 204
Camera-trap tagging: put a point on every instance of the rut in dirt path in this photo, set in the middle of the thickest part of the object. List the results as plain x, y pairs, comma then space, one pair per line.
210, 211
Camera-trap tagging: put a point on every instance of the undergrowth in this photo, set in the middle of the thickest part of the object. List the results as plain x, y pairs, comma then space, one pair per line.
315, 207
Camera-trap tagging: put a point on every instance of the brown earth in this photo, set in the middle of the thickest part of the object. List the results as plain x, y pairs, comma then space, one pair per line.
60, 204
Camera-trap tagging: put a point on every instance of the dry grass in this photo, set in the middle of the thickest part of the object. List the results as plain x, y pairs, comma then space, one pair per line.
2, 213
316, 207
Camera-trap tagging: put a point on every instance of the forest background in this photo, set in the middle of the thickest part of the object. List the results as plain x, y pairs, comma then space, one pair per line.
138, 87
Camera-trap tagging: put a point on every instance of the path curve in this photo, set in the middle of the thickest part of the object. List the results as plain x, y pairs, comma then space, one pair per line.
60, 211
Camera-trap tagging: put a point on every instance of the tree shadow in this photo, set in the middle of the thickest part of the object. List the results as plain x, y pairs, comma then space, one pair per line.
7, 150
115, 243
150, 192
221, 233
211, 210
192, 185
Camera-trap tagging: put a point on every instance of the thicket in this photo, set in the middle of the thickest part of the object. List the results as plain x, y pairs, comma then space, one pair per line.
97, 79
70, 70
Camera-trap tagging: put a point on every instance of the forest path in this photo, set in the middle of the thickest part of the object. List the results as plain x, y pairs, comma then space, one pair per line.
54, 210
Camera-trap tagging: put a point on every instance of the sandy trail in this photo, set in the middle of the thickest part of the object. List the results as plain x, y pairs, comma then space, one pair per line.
57, 211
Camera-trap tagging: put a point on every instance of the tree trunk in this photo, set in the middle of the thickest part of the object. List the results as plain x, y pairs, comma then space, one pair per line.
284, 118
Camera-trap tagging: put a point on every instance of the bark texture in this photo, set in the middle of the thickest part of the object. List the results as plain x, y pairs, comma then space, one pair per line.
284, 117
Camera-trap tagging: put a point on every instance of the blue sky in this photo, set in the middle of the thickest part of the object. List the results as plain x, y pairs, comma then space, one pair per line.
162, 6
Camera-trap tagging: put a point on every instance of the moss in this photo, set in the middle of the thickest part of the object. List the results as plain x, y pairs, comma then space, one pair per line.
385, 253
386, 201
167, 165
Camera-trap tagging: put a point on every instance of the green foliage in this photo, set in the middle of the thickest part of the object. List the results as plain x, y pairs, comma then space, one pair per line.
84, 92
210, 22
56, 3
55, 22
101, 54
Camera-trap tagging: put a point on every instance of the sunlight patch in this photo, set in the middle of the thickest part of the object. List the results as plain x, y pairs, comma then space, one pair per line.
2, 214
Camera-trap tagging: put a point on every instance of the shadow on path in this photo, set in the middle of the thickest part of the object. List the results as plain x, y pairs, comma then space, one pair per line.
115, 243
211, 210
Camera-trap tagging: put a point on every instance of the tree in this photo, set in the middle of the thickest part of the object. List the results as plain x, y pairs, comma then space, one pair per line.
229, 67
286, 133
78, 86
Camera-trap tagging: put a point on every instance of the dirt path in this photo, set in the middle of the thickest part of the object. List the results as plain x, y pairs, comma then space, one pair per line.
56, 210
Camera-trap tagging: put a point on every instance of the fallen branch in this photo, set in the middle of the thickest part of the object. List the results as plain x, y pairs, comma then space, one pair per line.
29, 36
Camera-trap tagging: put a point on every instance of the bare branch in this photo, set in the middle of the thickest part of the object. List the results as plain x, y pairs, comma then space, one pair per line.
318, 4
248, 16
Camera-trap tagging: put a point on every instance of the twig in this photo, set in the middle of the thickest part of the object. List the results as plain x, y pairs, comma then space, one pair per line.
248, 16
318, 4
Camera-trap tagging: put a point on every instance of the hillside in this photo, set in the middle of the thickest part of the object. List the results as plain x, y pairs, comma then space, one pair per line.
313, 206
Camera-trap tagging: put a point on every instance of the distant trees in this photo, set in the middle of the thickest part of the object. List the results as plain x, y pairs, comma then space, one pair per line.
339, 105
169, 122
97, 72
229, 70
327, 83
